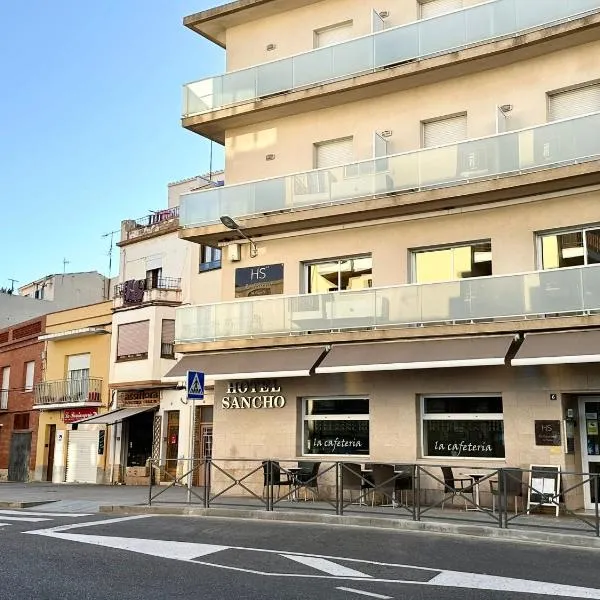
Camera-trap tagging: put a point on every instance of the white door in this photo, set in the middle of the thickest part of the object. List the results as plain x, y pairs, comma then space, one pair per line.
589, 419
82, 456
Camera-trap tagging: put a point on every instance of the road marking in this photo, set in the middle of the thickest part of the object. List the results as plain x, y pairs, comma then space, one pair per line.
88, 524
507, 584
5, 524
160, 548
439, 577
326, 566
26, 519
363, 593
42, 514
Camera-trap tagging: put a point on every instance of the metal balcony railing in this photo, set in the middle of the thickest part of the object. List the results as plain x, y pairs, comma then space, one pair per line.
551, 145
159, 216
68, 391
386, 48
162, 283
574, 290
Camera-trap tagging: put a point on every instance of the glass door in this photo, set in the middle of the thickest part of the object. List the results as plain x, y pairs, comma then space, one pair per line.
589, 418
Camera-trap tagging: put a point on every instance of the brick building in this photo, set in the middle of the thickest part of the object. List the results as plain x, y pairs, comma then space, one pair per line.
20, 369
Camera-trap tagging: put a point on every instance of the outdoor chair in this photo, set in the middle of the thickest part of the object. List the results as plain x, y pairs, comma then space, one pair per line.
274, 477
454, 486
354, 479
389, 480
307, 478
514, 488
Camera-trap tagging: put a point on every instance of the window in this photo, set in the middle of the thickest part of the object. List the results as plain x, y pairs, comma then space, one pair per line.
445, 130
452, 263
78, 375
210, 258
335, 426
334, 153
574, 102
463, 426
4, 386
167, 339
29, 372
153, 277
132, 341
433, 8
21, 421
570, 248
340, 32
337, 275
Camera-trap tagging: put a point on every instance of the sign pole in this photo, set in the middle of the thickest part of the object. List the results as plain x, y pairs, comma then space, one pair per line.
195, 391
191, 453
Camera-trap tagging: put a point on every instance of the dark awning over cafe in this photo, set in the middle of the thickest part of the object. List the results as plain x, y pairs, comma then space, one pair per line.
417, 354
565, 347
255, 364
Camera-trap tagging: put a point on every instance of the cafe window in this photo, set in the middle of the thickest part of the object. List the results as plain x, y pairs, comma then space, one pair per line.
572, 248
462, 427
452, 262
335, 426
338, 275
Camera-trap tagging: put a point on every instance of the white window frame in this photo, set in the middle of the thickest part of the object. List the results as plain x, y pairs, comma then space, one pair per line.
29, 376
309, 263
541, 234
459, 417
415, 251
341, 417
4, 386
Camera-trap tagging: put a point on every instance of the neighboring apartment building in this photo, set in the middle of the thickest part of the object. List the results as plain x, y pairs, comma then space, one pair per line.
153, 262
20, 371
74, 386
420, 184
52, 293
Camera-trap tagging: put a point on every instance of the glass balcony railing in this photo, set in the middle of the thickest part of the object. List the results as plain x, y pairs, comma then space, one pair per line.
418, 40
550, 145
540, 293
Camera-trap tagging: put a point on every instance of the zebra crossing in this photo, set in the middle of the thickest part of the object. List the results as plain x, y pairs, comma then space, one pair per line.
25, 517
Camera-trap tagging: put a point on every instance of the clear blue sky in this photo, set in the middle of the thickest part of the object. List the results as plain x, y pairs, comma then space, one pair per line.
90, 128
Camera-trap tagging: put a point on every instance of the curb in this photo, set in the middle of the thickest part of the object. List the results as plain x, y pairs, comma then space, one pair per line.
480, 531
18, 504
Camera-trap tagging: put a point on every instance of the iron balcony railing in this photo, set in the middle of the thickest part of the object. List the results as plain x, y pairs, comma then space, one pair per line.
68, 391
381, 49
551, 145
162, 283
159, 216
574, 290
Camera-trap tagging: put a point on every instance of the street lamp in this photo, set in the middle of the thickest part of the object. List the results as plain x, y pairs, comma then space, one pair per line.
231, 224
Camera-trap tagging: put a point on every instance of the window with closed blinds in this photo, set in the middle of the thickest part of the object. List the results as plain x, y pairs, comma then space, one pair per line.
333, 34
132, 340
333, 153
29, 373
574, 103
444, 131
433, 8
167, 339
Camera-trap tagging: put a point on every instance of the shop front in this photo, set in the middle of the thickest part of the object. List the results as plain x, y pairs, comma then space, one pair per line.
456, 402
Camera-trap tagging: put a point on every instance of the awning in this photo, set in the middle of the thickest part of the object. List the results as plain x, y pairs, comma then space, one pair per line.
115, 416
254, 364
417, 354
564, 347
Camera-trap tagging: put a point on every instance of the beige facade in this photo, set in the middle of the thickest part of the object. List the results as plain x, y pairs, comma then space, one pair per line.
480, 154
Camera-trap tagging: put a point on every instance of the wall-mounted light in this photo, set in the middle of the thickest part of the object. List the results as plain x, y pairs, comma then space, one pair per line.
231, 224
386, 133
270, 157
384, 14
271, 47
506, 108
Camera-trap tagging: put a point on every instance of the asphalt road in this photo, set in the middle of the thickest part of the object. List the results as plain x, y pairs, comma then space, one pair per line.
80, 557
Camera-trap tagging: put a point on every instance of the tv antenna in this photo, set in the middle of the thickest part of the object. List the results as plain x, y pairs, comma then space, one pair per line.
110, 234
12, 284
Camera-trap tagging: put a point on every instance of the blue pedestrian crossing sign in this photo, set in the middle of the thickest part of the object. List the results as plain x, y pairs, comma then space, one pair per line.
195, 385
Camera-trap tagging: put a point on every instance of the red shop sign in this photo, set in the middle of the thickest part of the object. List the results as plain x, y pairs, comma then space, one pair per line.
76, 414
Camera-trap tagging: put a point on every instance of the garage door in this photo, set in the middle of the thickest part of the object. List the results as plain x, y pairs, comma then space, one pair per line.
82, 456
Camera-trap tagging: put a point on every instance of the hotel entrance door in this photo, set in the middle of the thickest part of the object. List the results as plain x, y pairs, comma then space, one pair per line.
589, 419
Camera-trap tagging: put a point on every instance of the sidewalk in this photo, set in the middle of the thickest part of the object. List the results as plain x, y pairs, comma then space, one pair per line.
564, 530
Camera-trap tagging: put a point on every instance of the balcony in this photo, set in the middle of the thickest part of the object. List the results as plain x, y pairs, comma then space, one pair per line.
553, 145
537, 294
68, 393
137, 292
416, 41
156, 223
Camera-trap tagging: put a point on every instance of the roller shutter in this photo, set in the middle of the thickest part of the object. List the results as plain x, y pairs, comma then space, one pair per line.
82, 456
330, 154
433, 8
574, 103
333, 34
444, 131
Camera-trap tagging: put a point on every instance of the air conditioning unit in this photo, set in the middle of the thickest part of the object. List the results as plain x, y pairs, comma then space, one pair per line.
234, 253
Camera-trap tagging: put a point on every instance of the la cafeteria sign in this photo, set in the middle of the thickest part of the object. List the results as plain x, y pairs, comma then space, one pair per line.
256, 394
